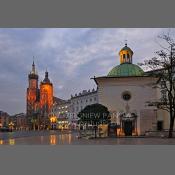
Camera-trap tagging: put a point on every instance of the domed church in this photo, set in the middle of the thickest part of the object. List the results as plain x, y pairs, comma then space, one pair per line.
125, 91
126, 68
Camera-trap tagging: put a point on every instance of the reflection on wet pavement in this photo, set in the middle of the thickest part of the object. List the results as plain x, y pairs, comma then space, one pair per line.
69, 138
43, 138
11, 141
53, 139
1, 142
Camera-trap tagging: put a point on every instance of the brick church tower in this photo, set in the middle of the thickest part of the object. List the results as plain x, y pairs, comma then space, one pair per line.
46, 96
33, 94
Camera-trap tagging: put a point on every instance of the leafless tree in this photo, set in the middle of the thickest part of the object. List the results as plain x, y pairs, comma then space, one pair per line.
163, 67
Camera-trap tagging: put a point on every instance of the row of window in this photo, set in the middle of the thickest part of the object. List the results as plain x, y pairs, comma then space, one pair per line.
62, 112
124, 55
81, 101
63, 107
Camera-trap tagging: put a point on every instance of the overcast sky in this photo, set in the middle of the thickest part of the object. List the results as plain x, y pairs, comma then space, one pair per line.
71, 56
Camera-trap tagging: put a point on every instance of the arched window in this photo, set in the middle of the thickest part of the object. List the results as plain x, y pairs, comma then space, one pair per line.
124, 58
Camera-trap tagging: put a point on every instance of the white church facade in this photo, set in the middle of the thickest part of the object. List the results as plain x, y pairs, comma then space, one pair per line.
125, 91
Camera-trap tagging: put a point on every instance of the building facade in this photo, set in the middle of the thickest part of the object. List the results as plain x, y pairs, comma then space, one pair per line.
125, 91
61, 111
4, 119
18, 122
79, 102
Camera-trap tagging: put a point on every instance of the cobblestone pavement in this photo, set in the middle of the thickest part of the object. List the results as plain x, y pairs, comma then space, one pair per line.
69, 138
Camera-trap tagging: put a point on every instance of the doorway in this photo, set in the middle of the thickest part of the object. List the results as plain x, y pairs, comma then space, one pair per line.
127, 127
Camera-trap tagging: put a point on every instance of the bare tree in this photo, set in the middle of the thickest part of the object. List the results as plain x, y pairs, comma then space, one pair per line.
163, 67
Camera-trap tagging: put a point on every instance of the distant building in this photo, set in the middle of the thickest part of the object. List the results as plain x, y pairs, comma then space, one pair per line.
62, 111
80, 101
4, 119
19, 121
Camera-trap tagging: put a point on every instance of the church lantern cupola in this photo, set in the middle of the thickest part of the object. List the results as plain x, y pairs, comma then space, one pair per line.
125, 55
46, 79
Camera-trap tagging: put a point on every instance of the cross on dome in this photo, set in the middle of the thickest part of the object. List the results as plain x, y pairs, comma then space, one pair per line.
126, 43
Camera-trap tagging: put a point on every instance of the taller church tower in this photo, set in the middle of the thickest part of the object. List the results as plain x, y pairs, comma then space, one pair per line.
32, 95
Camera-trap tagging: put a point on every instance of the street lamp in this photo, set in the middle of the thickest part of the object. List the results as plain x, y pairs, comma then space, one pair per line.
11, 125
33, 120
53, 121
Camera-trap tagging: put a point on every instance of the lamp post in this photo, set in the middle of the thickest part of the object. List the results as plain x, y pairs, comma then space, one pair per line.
33, 120
11, 125
53, 121
38, 116
95, 126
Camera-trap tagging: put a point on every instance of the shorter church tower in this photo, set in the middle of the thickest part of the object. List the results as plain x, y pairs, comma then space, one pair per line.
46, 96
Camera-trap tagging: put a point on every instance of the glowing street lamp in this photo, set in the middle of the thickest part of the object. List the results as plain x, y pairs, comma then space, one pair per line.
53, 121
33, 120
11, 125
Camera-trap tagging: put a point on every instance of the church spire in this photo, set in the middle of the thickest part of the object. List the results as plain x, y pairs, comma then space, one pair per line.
33, 67
46, 74
46, 79
125, 43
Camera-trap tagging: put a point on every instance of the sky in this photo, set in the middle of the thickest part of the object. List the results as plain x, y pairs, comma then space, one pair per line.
71, 55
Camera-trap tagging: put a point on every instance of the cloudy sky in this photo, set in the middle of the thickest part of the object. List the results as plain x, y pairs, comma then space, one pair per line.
72, 57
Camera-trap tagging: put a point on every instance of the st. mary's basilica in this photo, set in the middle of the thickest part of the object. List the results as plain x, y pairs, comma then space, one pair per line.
39, 99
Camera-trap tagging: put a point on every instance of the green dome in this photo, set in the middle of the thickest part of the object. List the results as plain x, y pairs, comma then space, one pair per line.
126, 69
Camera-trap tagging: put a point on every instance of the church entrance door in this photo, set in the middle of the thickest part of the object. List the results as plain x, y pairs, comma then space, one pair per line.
128, 128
